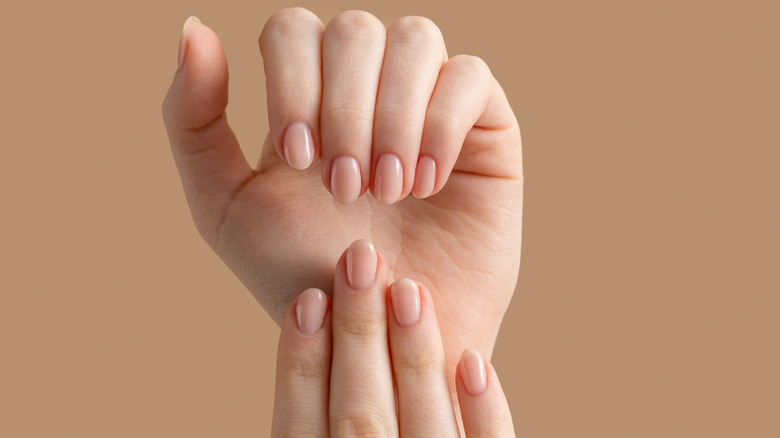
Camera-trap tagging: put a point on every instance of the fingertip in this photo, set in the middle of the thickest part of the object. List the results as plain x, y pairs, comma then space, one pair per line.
425, 177
199, 91
184, 39
483, 405
307, 319
310, 309
473, 372
298, 146
389, 179
346, 181
406, 301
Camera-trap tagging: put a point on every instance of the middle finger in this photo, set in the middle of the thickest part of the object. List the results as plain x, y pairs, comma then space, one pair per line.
353, 47
362, 402
414, 55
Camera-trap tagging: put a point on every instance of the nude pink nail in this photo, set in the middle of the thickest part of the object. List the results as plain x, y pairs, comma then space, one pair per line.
298, 146
345, 182
389, 179
362, 262
472, 370
310, 311
425, 177
406, 301
184, 39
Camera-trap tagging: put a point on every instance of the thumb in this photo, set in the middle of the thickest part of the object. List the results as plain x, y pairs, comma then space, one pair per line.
206, 151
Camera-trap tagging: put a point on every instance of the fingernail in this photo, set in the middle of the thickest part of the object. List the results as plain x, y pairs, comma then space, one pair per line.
183, 40
424, 177
298, 146
472, 370
389, 180
406, 301
345, 182
361, 265
310, 311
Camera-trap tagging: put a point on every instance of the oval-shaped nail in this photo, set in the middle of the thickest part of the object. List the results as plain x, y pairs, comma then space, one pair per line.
472, 370
298, 146
310, 310
405, 295
184, 39
424, 177
345, 181
389, 179
361, 265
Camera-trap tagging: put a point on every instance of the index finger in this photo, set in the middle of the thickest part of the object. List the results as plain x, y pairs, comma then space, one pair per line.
291, 45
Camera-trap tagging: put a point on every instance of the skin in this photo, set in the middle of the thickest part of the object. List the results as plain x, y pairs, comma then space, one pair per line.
339, 379
364, 91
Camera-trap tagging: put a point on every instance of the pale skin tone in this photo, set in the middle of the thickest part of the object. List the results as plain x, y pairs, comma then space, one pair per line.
425, 150
338, 361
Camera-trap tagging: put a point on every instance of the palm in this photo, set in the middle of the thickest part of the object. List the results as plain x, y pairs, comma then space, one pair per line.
282, 232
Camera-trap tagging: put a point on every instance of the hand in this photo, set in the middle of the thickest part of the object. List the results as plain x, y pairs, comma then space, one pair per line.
362, 92
336, 367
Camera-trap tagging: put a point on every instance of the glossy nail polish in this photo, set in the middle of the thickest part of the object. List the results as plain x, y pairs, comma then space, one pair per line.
389, 179
424, 177
310, 311
472, 370
345, 181
405, 295
298, 146
361, 265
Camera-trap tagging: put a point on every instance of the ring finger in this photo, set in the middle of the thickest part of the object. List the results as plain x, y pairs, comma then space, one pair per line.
424, 400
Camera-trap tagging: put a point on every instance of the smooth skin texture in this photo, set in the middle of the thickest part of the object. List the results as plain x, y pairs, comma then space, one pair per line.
356, 92
338, 380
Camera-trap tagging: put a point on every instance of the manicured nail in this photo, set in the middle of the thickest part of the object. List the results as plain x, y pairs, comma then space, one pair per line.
361, 265
310, 311
298, 146
424, 177
183, 40
406, 301
345, 182
389, 179
472, 369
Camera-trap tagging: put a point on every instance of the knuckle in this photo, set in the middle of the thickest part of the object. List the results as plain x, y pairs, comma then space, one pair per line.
288, 21
415, 30
361, 426
346, 112
355, 25
394, 113
471, 65
443, 121
306, 367
360, 327
418, 364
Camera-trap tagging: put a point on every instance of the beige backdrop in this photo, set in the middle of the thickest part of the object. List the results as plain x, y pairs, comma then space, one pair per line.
648, 297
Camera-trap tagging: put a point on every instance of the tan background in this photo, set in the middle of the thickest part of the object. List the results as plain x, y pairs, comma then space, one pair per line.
648, 297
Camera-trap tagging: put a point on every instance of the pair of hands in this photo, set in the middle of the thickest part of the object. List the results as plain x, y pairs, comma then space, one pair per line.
339, 360
354, 107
